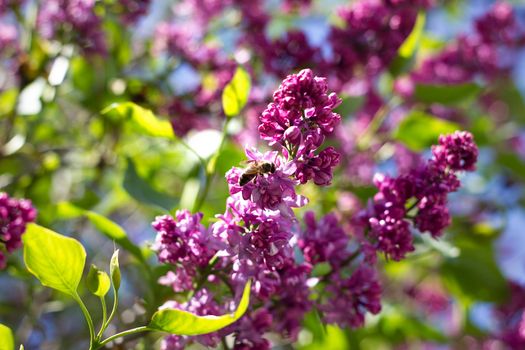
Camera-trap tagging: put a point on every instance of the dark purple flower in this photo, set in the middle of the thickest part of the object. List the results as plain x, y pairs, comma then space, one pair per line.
372, 34
351, 298
249, 330
292, 299
432, 217
183, 240
323, 240
15, 214
302, 100
317, 167
456, 151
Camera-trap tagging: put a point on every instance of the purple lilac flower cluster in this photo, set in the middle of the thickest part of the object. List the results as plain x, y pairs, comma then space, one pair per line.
259, 237
183, 241
77, 21
419, 195
55, 16
299, 120
15, 214
479, 53
372, 34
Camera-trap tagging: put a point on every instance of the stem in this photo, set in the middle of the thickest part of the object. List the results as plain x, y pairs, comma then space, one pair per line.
366, 137
122, 334
104, 317
210, 168
89, 320
113, 312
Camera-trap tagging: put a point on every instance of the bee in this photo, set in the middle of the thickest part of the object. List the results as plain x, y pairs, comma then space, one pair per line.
254, 169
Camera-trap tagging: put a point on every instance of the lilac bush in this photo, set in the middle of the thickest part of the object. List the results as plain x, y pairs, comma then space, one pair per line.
264, 174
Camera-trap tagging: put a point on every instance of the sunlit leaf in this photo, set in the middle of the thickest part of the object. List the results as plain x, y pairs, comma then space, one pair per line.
446, 94
107, 227
7, 341
142, 119
7, 102
410, 45
235, 94
56, 260
419, 130
184, 323
98, 281
406, 53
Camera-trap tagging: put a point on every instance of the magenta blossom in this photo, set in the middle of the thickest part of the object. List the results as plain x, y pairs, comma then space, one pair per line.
15, 214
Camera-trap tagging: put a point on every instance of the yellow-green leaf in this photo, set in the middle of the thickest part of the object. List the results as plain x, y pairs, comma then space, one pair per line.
98, 281
410, 44
235, 94
142, 119
107, 227
56, 260
185, 323
419, 130
7, 341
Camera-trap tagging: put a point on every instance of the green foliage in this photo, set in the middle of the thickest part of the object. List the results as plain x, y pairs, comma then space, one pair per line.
57, 261
108, 228
446, 94
419, 130
143, 192
7, 341
98, 281
235, 94
409, 47
474, 275
321, 269
397, 326
143, 120
181, 322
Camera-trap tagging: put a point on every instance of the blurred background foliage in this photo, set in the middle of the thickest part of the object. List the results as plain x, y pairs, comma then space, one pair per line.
59, 149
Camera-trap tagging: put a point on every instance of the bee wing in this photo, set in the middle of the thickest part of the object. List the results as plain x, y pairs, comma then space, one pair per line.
251, 171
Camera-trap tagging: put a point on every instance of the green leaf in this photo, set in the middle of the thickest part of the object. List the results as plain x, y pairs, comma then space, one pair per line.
8, 102
321, 269
350, 105
184, 323
512, 163
98, 281
143, 192
406, 53
7, 341
474, 275
446, 94
411, 42
235, 94
143, 120
419, 130
57, 261
107, 227
114, 270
